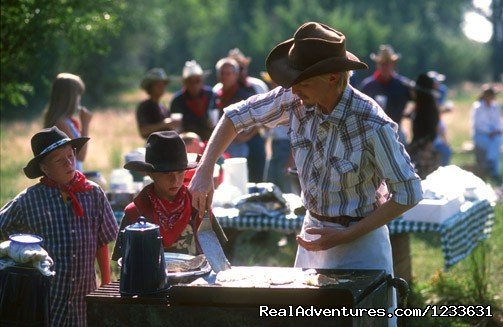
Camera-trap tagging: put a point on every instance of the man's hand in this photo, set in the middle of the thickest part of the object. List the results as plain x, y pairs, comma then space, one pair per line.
329, 238
201, 189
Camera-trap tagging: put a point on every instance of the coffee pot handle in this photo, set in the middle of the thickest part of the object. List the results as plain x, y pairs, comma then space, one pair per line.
141, 220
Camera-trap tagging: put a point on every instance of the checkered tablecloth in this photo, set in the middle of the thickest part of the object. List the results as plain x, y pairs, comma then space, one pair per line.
459, 234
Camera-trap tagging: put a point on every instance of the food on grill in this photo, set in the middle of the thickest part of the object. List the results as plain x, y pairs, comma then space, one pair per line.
187, 265
233, 275
319, 280
280, 278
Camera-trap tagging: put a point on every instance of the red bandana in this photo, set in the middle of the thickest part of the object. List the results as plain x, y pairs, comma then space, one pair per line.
79, 183
380, 79
224, 97
171, 216
197, 104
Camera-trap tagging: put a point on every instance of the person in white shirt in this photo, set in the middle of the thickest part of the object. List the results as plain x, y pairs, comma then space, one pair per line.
487, 130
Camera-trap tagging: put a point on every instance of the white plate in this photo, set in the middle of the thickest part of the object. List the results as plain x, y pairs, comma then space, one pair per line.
170, 256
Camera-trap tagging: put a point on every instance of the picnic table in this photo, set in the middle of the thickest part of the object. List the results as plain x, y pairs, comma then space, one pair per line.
459, 234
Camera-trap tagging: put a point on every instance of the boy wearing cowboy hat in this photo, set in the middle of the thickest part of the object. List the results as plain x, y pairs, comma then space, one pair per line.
151, 115
194, 101
389, 89
354, 174
72, 215
165, 202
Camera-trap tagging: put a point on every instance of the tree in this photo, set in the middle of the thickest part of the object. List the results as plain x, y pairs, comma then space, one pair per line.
30, 28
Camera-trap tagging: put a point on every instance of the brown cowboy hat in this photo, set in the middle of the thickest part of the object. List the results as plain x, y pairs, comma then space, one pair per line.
315, 49
386, 54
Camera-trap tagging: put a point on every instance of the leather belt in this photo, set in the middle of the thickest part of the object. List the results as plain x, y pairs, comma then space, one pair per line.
343, 220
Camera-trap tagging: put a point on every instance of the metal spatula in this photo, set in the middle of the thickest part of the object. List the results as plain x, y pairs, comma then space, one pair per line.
211, 246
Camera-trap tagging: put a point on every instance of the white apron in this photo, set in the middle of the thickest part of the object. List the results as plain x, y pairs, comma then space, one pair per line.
371, 251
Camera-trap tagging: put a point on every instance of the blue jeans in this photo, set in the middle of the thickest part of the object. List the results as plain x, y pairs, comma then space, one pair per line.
445, 152
256, 159
277, 170
487, 152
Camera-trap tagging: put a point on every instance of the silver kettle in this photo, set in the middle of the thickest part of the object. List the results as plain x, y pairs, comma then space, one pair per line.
143, 269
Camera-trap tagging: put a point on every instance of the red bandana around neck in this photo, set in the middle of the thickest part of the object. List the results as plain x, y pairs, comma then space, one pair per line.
225, 96
380, 79
172, 216
78, 184
197, 104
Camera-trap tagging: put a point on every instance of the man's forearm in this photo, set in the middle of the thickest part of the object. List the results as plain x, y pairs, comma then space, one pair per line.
381, 216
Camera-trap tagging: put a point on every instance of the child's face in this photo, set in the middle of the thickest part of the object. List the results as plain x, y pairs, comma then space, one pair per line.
167, 185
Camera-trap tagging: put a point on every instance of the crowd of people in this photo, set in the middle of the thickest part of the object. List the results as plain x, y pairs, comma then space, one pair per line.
357, 168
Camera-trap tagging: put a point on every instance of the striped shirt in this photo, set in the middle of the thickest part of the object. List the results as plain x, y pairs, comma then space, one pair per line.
71, 242
349, 162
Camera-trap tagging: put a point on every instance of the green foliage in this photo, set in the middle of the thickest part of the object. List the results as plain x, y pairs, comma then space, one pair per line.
54, 28
112, 43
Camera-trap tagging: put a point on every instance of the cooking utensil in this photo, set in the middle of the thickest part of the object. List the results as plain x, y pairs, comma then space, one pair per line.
209, 242
184, 276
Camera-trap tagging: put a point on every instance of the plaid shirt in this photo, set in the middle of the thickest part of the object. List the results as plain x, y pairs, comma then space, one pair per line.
71, 241
346, 160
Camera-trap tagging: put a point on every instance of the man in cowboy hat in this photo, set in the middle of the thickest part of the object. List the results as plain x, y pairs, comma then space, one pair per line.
72, 215
151, 115
391, 90
354, 174
194, 101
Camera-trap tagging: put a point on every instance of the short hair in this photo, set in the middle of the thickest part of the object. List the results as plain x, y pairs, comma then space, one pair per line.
227, 61
190, 137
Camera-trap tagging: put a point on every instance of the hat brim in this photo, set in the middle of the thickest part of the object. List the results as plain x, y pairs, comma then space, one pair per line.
285, 75
205, 74
146, 167
377, 58
32, 169
146, 82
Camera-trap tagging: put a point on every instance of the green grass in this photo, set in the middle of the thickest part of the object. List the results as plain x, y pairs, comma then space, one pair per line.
113, 133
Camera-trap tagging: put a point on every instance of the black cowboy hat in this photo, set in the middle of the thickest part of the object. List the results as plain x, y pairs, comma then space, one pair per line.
46, 141
315, 49
165, 152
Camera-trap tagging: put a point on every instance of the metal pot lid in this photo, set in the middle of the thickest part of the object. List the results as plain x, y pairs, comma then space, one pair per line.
142, 225
26, 239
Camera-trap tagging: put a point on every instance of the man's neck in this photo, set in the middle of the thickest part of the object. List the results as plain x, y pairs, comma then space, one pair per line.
332, 99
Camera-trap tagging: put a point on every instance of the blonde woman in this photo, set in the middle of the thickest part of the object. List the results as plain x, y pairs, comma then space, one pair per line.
66, 92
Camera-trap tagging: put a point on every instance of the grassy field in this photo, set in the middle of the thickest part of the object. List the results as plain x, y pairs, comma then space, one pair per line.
113, 133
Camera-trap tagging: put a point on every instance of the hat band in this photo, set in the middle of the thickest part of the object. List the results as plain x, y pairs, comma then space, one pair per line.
54, 146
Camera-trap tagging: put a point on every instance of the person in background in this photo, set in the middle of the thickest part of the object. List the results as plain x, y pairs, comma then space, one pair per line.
231, 92
165, 202
151, 115
389, 89
73, 217
441, 144
355, 175
66, 93
194, 101
424, 127
281, 152
256, 144
256, 84
193, 143
487, 129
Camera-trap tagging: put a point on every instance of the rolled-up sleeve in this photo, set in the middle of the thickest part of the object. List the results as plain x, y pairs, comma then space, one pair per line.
268, 109
393, 163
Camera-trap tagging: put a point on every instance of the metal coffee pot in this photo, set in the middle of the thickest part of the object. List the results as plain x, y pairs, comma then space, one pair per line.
143, 269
